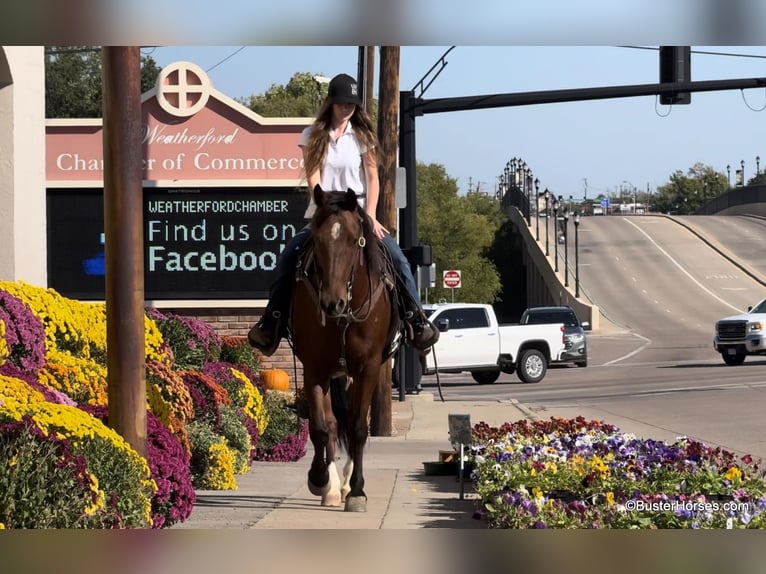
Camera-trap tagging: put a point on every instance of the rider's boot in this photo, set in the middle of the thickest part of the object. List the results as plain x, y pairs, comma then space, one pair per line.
268, 332
421, 332
265, 334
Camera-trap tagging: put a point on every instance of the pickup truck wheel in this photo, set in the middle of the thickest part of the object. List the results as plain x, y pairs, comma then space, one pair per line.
733, 360
532, 366
485, 377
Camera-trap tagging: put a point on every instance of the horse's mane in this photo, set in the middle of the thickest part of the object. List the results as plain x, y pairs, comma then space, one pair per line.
336, 202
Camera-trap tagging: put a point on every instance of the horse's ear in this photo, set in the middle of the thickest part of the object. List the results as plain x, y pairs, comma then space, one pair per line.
318, 195
351, 202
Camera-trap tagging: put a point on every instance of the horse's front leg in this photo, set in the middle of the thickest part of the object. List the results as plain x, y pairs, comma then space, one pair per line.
356, 500
323, 477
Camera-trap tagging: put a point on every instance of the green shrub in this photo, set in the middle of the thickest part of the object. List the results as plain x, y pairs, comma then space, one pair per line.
238, 351
42, 483
237, 437
283, 421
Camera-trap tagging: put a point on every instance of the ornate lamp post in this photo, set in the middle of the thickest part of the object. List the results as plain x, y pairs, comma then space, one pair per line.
742, 165
757, 165
547, 218
537, 209
556, 234
577, 254
566, 248
728, 174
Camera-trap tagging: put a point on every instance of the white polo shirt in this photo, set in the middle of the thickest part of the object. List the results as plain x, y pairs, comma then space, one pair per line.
342, 168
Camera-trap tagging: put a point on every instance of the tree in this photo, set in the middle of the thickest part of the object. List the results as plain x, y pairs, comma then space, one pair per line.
73, 82
461, 230
686, 193
300, 98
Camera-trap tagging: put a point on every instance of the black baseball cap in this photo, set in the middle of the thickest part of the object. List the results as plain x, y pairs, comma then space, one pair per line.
343, 89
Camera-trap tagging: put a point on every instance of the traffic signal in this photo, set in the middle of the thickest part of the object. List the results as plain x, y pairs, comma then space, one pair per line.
675, 66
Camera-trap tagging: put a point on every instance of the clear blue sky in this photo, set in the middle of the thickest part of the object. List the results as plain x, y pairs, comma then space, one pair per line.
610, 143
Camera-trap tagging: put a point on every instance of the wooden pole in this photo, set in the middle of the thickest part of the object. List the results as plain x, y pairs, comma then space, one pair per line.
123, 228
370, 80
388, 134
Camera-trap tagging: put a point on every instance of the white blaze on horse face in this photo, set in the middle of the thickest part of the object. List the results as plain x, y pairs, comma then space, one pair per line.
335, 230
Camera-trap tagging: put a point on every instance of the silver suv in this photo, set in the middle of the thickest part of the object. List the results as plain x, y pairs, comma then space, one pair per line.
575, 341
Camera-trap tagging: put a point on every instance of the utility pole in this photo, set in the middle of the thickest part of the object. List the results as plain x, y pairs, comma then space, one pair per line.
388, 136
123, 228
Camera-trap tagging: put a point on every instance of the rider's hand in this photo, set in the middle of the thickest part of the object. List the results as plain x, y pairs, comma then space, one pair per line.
379, 230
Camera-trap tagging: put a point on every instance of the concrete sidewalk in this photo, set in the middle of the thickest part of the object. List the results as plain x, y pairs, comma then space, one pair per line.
400, 495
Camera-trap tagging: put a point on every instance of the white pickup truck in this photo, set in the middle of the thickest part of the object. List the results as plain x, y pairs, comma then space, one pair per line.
738, 336
472, 340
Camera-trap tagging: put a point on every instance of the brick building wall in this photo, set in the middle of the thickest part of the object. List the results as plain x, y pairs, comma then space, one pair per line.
229, 322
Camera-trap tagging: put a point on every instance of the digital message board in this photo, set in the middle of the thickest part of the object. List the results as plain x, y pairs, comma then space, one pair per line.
205, 243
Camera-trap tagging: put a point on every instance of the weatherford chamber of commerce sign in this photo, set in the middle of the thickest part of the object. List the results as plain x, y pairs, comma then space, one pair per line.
221, 195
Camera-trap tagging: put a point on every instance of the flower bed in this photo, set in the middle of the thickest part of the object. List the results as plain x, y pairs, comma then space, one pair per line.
206, 414
573, 473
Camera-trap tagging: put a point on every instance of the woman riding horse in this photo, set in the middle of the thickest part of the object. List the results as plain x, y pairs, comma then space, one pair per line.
339, 152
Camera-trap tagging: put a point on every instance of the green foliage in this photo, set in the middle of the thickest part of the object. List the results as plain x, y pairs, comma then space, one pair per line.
237, 350
685, 193
73, 82
237, 437
41, 483
202, 437
301, 97
120, 473
461, 230
283, 421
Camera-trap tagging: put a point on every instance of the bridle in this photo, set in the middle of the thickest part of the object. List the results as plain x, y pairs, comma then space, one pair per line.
350, 314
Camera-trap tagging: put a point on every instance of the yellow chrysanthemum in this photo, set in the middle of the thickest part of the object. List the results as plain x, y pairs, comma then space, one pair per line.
4, 350
82, 379
255, 407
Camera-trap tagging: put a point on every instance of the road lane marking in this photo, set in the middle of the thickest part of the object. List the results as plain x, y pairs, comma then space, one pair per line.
647, 342
677, 264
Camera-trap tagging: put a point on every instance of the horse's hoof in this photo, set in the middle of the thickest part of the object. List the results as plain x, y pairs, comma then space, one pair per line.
356, 504
318, 490
344, 493
331, 499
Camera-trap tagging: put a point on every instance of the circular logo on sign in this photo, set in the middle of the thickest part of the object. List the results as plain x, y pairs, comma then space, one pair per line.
183, 89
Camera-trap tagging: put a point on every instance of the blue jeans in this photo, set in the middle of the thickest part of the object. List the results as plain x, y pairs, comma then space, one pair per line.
288, 260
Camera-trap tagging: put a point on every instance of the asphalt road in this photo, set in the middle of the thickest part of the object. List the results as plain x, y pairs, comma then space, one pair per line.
661, 289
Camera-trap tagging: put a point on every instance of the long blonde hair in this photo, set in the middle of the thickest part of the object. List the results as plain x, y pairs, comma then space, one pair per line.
316, 148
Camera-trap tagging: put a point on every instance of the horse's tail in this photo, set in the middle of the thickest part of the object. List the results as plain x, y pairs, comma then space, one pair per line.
340, 397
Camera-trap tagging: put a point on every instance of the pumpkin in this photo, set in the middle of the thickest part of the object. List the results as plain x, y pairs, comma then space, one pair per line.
276, 379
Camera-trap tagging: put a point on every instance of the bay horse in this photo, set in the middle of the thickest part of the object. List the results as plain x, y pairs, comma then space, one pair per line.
342, 324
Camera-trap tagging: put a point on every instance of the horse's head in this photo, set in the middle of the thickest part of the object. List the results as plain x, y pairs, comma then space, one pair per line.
340, 230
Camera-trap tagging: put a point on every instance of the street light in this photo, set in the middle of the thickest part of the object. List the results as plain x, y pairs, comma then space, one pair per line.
728, 174
537, 209
556, 233
577, 254
547, 218
742, 165
566, 248
757, 165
